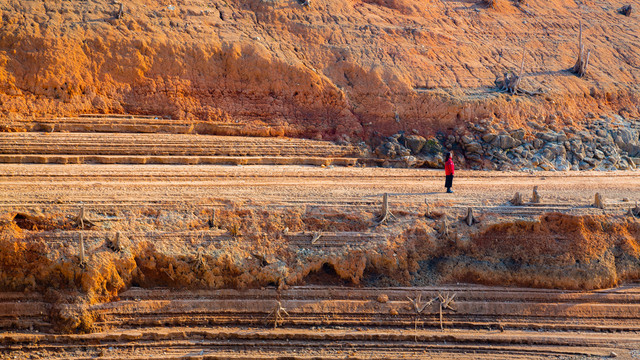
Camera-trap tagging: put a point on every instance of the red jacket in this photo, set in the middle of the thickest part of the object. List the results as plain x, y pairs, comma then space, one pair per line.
448, 167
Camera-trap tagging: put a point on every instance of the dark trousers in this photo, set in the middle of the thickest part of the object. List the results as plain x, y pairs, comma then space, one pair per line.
448, 181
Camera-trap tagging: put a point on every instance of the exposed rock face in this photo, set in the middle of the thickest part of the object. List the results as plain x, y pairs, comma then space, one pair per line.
606, 144
365, 69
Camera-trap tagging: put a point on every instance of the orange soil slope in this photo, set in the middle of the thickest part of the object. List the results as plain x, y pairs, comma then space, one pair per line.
356, 68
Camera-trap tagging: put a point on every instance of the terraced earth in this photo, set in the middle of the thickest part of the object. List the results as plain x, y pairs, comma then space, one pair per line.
210, 254
335, 322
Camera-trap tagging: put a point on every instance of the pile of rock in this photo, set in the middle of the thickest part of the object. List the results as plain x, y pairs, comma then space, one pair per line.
608, 143
605, 144
412, 151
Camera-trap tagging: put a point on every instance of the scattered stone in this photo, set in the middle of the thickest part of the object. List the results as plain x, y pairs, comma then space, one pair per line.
489, 137
626, 10
518, 134
473, 148
382, 298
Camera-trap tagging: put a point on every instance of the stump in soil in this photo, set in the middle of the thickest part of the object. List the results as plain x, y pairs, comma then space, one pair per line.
199, 261
277, 314
635, 211
120, 11
212, 221
443, 229
386, 214
535, 197
446, 303
469, 219
517, 200
580, 67
81, 220
511, 81
117, 243
598, 201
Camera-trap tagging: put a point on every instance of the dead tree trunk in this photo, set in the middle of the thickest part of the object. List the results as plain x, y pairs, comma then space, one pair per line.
386, 213
598, 201
517, 200
580, 67
470, 219
535, 198
511, 80
120, 11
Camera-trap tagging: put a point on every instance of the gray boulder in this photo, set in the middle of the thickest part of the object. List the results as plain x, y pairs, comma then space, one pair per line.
505, 142
547, 136
415, 143
391, 149
518, 134
434, 161
489, 137
473, 148
432, 147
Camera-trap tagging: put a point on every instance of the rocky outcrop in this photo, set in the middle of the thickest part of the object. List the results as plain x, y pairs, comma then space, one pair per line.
608, 143
605, 144
411, 151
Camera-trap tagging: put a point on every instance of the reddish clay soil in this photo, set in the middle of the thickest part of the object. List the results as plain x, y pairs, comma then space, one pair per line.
355, 68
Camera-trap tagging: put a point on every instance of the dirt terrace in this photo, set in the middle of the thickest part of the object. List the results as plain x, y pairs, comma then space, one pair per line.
174, 260
332, 323
573, 192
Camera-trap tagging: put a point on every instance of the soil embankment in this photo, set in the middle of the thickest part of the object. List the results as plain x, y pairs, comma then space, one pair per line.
361, 69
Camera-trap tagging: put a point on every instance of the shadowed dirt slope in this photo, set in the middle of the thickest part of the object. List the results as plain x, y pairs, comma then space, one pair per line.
359, 68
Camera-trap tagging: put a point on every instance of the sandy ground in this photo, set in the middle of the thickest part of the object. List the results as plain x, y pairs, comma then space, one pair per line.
30, 184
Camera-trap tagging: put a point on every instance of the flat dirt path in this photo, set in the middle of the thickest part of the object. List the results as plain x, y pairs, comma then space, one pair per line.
33, 184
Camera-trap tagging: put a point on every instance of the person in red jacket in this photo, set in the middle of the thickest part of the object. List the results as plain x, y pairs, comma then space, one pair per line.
449, 169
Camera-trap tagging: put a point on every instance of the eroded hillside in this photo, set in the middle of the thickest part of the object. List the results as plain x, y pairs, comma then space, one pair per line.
358, 68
